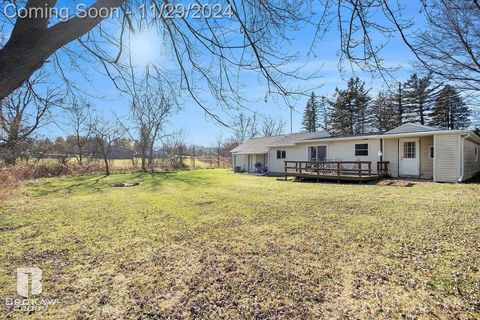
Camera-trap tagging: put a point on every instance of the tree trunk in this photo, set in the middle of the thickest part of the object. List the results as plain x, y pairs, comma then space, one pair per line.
79, 154
144, 160
107, 165
32, 42
10, 157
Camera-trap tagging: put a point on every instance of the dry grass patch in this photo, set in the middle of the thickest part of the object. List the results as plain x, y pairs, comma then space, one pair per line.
211, 244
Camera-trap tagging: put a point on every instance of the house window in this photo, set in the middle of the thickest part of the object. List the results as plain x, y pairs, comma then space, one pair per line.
409, 150
431, 153
477, 156
281, 154
317, 153
361, 149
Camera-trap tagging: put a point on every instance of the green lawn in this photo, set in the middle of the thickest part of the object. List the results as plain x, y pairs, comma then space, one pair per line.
212, 244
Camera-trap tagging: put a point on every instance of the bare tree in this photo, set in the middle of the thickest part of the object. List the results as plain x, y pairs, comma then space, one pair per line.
271, 126
21, 113
149, 110
450, 46
218, 147
244, 127
79, 116
175, 145
106, 135
202, 47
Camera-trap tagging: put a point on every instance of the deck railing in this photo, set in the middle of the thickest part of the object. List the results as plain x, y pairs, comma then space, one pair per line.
334, 169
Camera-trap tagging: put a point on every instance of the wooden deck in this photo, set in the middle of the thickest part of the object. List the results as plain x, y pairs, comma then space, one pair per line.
335, 170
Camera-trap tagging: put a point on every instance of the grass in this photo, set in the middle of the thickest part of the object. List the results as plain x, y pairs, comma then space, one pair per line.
127, 163
212, 244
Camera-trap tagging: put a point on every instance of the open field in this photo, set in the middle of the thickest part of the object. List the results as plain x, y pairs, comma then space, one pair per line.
127, 163
212, 244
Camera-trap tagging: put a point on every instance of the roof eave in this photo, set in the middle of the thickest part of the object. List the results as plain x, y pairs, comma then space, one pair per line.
391, 135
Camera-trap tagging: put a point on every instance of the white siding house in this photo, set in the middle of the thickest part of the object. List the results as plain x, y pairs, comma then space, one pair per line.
412, 151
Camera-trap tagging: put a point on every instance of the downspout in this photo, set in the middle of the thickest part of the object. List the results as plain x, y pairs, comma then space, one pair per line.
462, 157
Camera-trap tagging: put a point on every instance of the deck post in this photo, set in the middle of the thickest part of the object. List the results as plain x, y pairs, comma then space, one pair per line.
338, 169
370, 168
285, 163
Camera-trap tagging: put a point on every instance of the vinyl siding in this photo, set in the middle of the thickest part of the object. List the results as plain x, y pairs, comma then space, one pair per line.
426, 164
241, 160
336, 151
278, 165
390, 153
471, 165
447, 158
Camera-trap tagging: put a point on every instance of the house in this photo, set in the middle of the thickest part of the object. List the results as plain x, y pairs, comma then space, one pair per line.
410, 151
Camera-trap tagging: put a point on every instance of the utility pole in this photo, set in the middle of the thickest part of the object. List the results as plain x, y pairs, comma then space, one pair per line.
291, 119
400, 107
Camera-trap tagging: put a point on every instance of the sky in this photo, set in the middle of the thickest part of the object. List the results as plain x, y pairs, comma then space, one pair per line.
147, 46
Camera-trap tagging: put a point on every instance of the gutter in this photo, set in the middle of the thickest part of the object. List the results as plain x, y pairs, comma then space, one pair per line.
462, 157
375, 136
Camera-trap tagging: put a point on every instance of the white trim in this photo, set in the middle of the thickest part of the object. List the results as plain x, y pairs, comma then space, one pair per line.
417, 156
381, 136
368, 149
435, 159
281, 151
317, 145
461, 168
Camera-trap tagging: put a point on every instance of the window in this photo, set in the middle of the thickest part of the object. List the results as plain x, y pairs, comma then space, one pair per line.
361, 149
317, 153
431, 153
477, 156
409, 150
281, 154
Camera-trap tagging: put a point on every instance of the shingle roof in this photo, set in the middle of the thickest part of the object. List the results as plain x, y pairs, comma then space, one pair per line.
260, 145
290, 139
412, 127
255, 145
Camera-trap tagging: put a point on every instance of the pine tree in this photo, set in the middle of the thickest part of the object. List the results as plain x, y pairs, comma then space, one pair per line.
324, 114
450, 111
419, 95
342, 114
350, 113
311, 114
384, 113
396, 100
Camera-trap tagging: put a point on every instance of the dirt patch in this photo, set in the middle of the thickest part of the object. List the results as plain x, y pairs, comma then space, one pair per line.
125, 184
395, 183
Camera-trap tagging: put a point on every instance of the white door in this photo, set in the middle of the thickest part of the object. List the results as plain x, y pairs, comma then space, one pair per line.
409, 158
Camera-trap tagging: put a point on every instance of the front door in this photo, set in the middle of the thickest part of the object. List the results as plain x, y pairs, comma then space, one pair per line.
409, 158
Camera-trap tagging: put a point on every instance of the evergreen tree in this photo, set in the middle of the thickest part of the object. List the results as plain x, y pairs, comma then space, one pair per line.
384, 113
324, 114
311, 114
419, 95
450, 111
396, 100
350, 113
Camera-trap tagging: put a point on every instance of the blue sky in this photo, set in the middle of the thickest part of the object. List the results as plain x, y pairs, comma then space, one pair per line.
201, 129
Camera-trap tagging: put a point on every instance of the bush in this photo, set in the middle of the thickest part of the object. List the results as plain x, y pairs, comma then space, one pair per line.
11, 177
